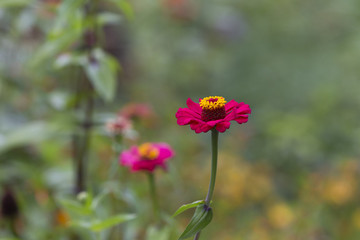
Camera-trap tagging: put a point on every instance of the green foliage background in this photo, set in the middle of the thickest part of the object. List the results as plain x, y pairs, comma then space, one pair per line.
291, 172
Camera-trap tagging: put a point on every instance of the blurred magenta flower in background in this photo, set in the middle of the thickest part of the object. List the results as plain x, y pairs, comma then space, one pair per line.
146, 157
212, 112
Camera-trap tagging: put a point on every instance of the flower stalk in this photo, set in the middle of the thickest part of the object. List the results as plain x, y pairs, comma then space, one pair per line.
153, 194
214, 158
214, 149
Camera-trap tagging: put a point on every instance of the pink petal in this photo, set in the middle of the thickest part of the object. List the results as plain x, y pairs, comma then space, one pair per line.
200, 126
165, 151
231, 105
127, 158
185, 116
241, 119
193, 106
243, 108
221, 127
147, 165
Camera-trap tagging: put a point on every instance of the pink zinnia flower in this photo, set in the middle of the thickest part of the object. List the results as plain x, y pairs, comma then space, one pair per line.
146, 157
212, 112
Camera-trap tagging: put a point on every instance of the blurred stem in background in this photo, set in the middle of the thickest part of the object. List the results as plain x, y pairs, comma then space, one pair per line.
154, 198
84, 97
214, 149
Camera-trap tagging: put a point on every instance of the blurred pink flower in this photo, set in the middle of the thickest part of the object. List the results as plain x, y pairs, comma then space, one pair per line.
146, 157
118, 125
212, 112
133, 110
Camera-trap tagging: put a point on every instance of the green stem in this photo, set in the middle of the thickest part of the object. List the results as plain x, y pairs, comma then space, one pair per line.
214, 150
154, 196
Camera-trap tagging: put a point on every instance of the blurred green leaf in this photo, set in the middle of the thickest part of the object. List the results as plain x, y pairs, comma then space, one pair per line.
108, 18
153, 233
75, 207
67, 29
101, 69
202, 217
14, 3
96, 201
53, 47
67, 10
187, 206
125, 8
28, 134
111, 221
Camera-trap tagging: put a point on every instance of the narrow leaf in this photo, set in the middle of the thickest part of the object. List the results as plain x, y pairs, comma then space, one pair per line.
188, 206
111, 221
202, 217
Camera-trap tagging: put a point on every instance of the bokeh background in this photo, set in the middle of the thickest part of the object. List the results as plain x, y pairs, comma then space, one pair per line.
291, 172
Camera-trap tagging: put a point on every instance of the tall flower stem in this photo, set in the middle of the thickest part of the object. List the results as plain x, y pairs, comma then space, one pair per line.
214, 151
154, 196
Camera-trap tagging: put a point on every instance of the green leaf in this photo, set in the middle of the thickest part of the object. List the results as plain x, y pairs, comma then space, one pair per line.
66, 14
14, 3
54, 46
101, 69
202, 217
75, 207
31, 133
108, 18
188, 206
111, 221
125, 8
96, 201
154, 233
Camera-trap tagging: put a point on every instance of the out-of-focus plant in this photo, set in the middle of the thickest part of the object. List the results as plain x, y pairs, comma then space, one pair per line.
75, 41
211, 113
87, 213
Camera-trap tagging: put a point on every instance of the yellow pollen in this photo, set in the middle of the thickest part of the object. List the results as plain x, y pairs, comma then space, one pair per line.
147, 151
212, 102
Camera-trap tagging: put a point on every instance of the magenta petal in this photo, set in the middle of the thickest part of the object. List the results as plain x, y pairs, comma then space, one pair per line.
231, 105
127, 158
165, 151
199, 127
193, 106
241, 119
243, 108
147, 165
205, 127
221, 127
184, 116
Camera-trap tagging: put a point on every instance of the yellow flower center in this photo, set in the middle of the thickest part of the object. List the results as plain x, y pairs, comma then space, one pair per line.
213, 108
212, 103
148, 152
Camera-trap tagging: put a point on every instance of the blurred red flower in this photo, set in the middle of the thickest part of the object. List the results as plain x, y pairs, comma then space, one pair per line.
146, 157
212, 112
